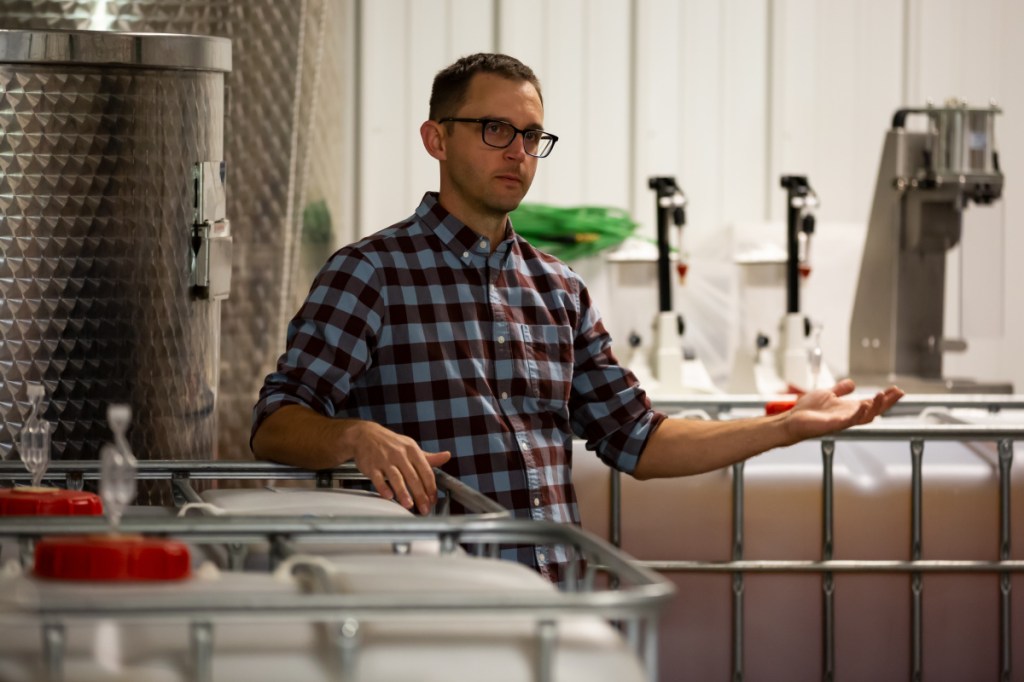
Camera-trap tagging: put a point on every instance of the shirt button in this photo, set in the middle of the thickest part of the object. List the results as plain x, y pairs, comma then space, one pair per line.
504, 395
501, 339
465, 254
483, 245
536, 502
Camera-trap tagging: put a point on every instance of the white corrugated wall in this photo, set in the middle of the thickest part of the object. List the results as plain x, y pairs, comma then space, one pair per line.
726, 96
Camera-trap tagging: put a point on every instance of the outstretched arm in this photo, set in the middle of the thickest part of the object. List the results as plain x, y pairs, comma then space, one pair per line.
396, 465
680, 447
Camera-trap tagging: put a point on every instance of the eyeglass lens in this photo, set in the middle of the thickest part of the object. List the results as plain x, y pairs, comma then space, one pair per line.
500, 134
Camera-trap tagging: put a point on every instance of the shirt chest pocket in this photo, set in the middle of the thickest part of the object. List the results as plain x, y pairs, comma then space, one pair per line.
548, 360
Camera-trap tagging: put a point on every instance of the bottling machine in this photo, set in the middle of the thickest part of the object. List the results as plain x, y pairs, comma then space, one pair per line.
926, 179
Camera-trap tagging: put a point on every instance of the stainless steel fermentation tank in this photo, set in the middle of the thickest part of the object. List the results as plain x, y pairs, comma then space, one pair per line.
283, 140
116, 251
926, 179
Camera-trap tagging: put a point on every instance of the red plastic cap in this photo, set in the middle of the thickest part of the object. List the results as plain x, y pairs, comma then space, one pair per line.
49, 502
778, 406
112, 558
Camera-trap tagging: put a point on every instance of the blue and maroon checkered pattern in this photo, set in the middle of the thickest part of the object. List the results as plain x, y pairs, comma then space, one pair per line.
498, 357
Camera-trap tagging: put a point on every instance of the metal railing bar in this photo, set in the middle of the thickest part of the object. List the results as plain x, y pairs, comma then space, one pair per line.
909, 404
878, 431
737, 577
650, 656
615, 522
334, 607
836, 566
181, 471
916, 580
1005, 596
828, 448
961, 432
484, 529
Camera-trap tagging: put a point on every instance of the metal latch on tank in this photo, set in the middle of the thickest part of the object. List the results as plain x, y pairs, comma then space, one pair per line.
211, 233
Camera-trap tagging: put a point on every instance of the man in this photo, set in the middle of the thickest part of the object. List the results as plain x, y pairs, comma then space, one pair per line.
447, 340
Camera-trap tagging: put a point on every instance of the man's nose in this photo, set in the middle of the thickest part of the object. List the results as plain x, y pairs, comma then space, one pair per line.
516, 150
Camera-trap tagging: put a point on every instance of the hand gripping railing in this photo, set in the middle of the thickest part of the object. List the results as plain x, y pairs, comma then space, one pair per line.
74, 473
916, 435
182, 473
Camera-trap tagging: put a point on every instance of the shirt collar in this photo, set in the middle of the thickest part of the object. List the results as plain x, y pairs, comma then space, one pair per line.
461, 239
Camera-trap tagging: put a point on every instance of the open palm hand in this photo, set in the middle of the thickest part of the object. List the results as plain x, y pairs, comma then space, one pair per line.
821, 412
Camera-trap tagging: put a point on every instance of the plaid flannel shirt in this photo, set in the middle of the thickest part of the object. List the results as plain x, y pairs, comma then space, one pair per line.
498, 357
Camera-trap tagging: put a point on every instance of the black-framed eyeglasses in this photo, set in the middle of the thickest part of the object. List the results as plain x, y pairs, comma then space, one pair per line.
500, 134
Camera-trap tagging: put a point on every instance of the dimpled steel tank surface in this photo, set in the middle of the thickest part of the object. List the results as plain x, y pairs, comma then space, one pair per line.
100, 137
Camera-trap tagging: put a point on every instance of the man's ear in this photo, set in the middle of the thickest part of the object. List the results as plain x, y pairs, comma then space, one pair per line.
434, 139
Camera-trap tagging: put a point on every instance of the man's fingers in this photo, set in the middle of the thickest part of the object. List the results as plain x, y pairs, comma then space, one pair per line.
400, 484
892, 395
881, 402
380, 484
400, 470
436, 459
422, 482
863, 413
844, 387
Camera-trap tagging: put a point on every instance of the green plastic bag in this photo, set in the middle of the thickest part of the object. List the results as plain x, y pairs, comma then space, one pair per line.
572, 232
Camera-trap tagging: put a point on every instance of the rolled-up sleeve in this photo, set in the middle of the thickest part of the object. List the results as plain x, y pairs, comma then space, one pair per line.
330, 340
609, 409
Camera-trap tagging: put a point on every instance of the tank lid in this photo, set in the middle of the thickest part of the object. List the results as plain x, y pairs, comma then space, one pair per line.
112, 558
110, 48
49, 502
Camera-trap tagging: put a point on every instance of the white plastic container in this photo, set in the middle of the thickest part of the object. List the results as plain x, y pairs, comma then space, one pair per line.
436, 647
104, 650
497, 647
691, 519
318, 502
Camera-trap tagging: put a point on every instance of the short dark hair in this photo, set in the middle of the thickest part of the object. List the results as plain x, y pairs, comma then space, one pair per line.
452, 82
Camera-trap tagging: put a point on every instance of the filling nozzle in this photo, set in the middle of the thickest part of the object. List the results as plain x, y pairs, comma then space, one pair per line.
672, 200
35, 437
804, 247
807, 222
814, 354
682, 257
801, 202
118, 465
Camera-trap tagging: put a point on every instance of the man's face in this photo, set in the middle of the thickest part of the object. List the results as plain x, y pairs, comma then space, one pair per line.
487, 180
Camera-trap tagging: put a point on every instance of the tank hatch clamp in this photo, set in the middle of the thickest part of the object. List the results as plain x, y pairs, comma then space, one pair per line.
210, 265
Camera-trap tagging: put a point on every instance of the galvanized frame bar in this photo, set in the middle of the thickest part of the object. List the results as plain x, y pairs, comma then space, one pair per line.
201, 649
836, 566
650, 648
909, 404
1003, 435
737, 577
547, 638
615, 522
54, 644
346, 641
1005, 585
179, 472
916, 579
828, 448
644, 594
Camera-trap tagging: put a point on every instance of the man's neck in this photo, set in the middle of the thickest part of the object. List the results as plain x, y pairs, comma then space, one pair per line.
489, 226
